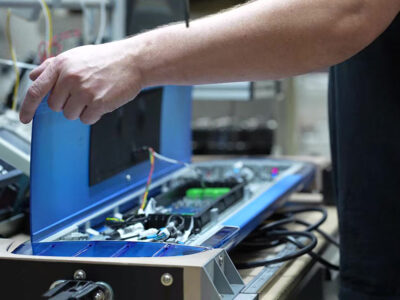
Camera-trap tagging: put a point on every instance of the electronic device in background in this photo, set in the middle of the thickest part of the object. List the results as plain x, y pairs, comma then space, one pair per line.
104, 195
15, 141
142, 15
210, 137
13, 200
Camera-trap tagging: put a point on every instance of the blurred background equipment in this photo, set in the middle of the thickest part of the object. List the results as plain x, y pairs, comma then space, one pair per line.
14, 188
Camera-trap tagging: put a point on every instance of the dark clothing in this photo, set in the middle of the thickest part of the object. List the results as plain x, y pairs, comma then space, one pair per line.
364, 111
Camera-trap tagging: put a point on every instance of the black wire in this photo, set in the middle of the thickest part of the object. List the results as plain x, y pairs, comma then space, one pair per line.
186, 5
179, 225
281, 234
314, 255
274, 225
328, 237
261, 239
310, 227
309, 209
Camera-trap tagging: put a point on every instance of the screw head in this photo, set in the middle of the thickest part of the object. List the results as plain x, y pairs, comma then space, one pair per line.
167, 279
221, 260
99, 295
128, 177
80, 275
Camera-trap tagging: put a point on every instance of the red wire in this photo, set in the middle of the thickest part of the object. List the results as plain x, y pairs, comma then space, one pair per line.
152, 164
57, 42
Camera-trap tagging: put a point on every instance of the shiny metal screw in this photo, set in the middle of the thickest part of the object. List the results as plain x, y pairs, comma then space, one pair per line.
128, 177
167, 279
221, 260
80, 275
99, 295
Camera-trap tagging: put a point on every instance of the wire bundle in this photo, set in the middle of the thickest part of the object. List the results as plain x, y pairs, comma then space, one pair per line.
15, 64
14, 59
88, 18
273, 234
49, 29
152, 155
146, 192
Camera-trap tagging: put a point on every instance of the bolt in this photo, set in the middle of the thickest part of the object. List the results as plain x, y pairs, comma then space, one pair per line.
221, 260
128, 177
80, 275
99, 295
167, 279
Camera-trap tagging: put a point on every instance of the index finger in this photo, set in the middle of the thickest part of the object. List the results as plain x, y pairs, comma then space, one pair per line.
39, 70
39, 89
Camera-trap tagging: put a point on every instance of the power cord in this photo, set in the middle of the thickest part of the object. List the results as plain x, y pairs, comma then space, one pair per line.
314, 255
266, 237
282, 234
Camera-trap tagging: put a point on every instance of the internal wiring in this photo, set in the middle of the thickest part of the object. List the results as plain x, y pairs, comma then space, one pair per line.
152, 155
103, 22
49, 27
170, 160
14, 59
146, 193
190, 166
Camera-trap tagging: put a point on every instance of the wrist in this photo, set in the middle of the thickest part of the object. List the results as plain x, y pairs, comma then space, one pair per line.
141, 58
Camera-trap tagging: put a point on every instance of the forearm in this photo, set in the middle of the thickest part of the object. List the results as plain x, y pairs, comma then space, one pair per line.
260, 40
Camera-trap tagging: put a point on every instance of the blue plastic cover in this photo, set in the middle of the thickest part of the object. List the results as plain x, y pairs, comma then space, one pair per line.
106, 249
60, 191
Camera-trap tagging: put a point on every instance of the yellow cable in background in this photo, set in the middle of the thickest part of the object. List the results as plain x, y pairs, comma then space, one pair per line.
14, 59
49, 26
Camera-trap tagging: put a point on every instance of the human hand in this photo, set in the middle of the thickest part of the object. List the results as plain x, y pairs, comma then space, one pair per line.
85, 82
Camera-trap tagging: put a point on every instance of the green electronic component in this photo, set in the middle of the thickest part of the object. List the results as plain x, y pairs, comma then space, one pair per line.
195, 193
200, 193
219, 192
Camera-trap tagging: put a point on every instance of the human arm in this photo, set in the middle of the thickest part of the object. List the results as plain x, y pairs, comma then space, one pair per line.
260, 40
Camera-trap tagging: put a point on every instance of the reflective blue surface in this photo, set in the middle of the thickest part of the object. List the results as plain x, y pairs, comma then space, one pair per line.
60, 192
222, 237
106, 249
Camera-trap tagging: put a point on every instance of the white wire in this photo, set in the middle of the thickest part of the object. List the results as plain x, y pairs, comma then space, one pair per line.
170, 160
21, 65
47, 27
85, 23
103, 22
187, 233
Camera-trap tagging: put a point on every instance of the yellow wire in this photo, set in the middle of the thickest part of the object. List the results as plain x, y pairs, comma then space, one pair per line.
50, 22
14, 59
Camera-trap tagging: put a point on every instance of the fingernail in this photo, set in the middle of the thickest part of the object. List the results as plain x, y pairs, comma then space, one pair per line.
24, 120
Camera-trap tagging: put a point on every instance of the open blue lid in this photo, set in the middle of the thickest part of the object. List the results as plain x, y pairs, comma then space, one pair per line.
78, 169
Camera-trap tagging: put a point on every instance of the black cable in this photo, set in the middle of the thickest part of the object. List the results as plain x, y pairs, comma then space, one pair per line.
314, 255
328, 237
281, 234
261, 239
179, 225
310, 227
275, 224
308, 209
186, 4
